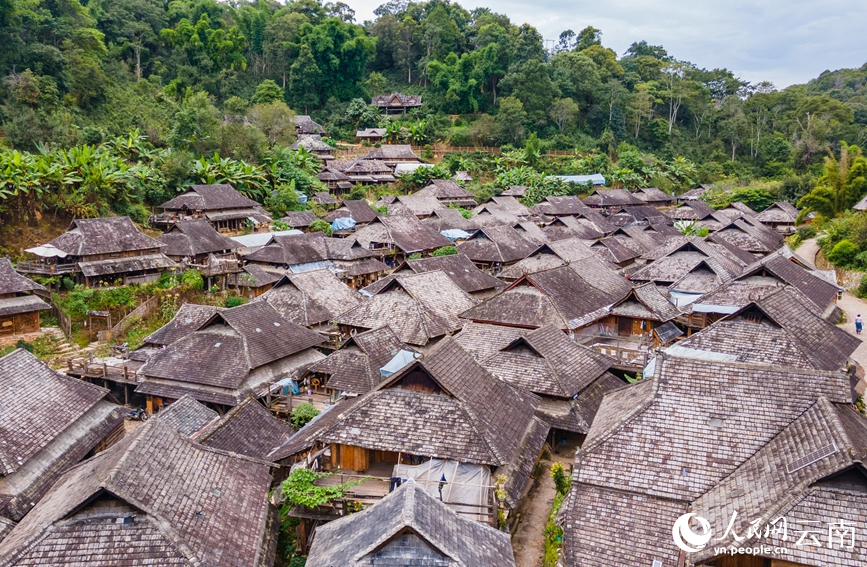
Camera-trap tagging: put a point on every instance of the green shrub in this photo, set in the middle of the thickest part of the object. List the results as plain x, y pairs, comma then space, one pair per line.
414, 256
234, 301
321, 226
358, 192
806, 232
381, 209
861, 290
193, 280
843, 253
302, 414
445, 251
561, 479
24, 344
68, 284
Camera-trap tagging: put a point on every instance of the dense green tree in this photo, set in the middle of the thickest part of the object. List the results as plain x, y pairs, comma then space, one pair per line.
304, 81
267, 91
511, 119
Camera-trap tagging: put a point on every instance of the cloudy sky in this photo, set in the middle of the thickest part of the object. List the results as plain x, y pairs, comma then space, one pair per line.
783, 41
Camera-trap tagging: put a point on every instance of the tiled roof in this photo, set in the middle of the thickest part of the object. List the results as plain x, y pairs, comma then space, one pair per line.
474, 418
678, 434
194, 237
652, 195
307, 125
409, 527
500, 244
298, 219
560, 206
311, 142
396, 99
194, 505
392, 151
210, 198
358, 210
12, 282
483, 341
187, 416
781, 211
457, 267
691, 210
405, 232
611, 198
254, 276
566, 227
188, 318
418, 205
247, 429
310, 298
818, 290
418, 307
445, 189
652, 303
22, 304
447, 219
86, 237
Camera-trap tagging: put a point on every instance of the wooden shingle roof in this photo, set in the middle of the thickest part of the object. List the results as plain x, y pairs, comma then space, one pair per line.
310, 298
187, 416
195, 237
457, 267
12, 282
212, 197
156, 497
410, 527
779, 212
86, 237
405, 232
247, 429
445, 190
189, 317
358, 210
299, 219
497, 244
611, 198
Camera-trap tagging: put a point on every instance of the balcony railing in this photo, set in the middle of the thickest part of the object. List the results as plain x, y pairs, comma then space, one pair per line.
37, 267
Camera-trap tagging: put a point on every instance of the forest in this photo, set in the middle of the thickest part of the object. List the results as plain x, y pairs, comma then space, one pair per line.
114, 105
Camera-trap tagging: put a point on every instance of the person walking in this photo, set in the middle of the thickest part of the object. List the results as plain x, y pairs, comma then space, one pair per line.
859, 324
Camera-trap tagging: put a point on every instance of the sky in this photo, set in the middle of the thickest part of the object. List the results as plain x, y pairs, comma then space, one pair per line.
783, 41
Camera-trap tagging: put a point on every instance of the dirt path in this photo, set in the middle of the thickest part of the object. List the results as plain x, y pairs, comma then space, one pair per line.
529, 540
851, 306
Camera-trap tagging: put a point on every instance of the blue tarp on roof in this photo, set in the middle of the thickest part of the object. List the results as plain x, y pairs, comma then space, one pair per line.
401, 359
455, 234
595, 179
342, 224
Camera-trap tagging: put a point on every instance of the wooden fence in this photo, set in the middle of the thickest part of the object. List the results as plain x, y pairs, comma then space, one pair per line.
441, 149
124, 324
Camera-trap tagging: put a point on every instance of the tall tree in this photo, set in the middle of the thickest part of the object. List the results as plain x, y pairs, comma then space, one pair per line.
303, 80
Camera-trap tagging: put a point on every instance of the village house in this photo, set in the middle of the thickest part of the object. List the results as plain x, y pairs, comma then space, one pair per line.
393, 154
196, 245
556, 206
99, 250
306, 126
19, 307
700, 213
609, 198
314, 144
395, 238
495, 247
450, 219
220, 204
670, 263
345, 173
460, 269
694, 194
299, 219
311, 299
565, 227
654, 197
737, 209
514, 191
553, 254
748, 234
247, 429
615, 251
639, 469
325, 200
492, 214
639, 214
396, 103
336, 181
188, 416
531, 232
357, 366
560, 297
419, 308
780, 216
441, 415
420, 206
449, 192
50, 422
410, 526
357, 210
371, 135
237, 353
158, 498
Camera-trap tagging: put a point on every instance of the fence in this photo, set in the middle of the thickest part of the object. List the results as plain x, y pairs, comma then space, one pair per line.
442, 149
124, 324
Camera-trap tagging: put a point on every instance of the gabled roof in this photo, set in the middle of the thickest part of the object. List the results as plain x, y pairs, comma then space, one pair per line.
419, 205
194, 237
355, 367
86, 237
812, 471
462, 413
740, 207
396, 100
560, 206
742, 233
560, 297
777, 329
188, 416
457, 267
496, 244
307, 125
444, 189
189, 317
818, 290
515, 191
247, 429
676, 436
392, 151
779, 212
447, 219
324, 198
292, 249
311, 142
12, 282
412, 528
357, 210
310, 298
154, 497
611, 198
565, 227
299, 219
691, 210
678, 257
209, 198
646, 301
418, 307
547, 362
511, 204
405, 232
652, 195
614, 250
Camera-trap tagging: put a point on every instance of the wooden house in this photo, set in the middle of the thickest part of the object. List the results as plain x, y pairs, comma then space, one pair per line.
669, 264
238, 352
355, 368
560, 296
252, 281
336, 181
573, 251
737, 209
636, 315
358, 210
19, 308
460, 269
654, 197
101, 250
311, 299
420, 206
220, 204
449, 192
562, 228
608, 198
396, 103
357, 172
450, 219
306, 126
50, 423
197, 245
325, 200
431, 414
410, 526
780, 216
393, 154
299, 219
158, 498
314, 144
557, 206
247, 429
371, 135
493, 247
419, 308
395, 238
749, 235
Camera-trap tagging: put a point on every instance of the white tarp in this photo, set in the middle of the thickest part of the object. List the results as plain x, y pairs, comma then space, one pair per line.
401, 359
465, 483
